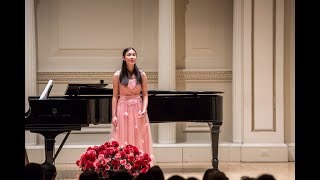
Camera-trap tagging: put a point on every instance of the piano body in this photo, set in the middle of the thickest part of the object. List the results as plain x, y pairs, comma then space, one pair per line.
91, 104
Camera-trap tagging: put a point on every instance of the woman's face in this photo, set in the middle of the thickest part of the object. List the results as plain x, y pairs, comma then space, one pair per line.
130, 58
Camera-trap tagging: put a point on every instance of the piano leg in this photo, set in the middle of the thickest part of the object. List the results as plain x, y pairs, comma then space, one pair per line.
215, 130
49, 143
26, 159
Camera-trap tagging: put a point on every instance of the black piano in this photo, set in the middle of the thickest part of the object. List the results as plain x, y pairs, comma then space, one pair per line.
85, 104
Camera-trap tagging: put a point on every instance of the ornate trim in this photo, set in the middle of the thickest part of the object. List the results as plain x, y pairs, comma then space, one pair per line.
95, 77
74, 77
204, 76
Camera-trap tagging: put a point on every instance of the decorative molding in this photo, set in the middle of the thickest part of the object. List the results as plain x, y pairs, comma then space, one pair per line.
228, 152
95, 77
190, 76
273, 72
74, 77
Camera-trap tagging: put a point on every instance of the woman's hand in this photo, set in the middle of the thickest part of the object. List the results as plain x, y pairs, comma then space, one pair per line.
142, 114
115, 120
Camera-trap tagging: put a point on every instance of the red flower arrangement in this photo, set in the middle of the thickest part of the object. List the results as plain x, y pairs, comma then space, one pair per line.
111, 157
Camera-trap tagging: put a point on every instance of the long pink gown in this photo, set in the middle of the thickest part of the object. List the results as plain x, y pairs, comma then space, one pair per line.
130, 128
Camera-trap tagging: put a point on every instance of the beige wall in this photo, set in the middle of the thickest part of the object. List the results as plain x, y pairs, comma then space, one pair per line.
81, 41
89, 36
78, 37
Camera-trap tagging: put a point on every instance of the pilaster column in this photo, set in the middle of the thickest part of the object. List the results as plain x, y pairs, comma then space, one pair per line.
263, 82
166, 62
30, 62
237, 71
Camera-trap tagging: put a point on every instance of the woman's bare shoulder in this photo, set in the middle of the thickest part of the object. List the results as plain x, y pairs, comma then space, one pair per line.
117, 73
142, 72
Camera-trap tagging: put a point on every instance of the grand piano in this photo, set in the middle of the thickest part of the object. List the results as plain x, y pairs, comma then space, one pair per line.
85, 104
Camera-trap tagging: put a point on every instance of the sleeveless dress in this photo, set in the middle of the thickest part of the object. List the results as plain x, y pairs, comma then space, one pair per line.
130, 128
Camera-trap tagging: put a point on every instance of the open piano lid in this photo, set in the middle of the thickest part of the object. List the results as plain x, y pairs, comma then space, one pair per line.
87, 89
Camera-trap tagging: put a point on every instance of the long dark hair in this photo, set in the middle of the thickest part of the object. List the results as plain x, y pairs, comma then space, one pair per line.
124, 74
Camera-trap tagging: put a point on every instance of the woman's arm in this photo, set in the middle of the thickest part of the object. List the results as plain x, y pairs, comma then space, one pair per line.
115, 96
144, 93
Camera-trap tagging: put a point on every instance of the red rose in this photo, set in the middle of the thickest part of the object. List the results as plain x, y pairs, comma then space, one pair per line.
111, 157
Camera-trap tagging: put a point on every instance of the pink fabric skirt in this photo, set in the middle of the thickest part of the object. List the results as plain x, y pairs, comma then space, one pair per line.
131, 129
